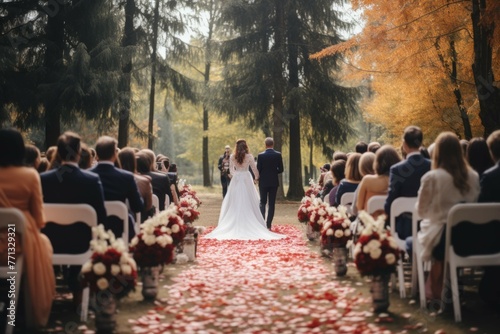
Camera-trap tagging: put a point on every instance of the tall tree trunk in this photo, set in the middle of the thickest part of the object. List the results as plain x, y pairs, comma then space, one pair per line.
53, 63
208, 63
295, 189
278, 121
153, 75
487, 93
127, 41
311, 165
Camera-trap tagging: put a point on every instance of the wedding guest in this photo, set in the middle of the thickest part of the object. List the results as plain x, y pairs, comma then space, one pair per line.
53, 157
404, 180
174, 180
489, 290
323, 172
118, 184
378, 184
425, 152
361, 147
450, 181
373, 146
366, 163
129, 163
160, 181
478, 155
71, 185
85, 161
464, 143
43, 166
20, 188
223, 166
32, 156
352, 176
339, 155
338, 171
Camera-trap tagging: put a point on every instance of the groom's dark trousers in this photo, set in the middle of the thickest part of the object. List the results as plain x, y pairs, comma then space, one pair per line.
269, 165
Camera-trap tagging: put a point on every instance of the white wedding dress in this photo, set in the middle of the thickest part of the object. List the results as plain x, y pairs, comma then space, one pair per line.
240, 217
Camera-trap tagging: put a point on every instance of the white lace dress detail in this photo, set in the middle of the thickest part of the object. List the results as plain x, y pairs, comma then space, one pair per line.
240, 217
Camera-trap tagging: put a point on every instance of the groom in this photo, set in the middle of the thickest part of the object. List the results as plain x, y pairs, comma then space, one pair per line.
269, 165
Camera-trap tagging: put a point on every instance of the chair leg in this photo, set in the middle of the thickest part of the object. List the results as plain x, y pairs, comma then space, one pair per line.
455, 293
401, 279
414, 276
420, 277
85, 305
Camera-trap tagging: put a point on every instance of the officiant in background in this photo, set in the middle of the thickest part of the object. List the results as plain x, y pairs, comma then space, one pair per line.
224, 169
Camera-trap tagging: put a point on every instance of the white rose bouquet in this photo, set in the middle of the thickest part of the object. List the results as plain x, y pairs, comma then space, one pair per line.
376, 251
153, 246
336, 231
110, 267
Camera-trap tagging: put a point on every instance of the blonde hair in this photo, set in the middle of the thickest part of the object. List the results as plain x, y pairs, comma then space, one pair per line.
366, 163
448, 155
352, 167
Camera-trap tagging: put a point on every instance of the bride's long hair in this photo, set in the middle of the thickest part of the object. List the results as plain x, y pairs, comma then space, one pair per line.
240, 150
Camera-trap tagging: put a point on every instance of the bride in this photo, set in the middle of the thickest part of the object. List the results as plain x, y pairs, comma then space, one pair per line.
240, 217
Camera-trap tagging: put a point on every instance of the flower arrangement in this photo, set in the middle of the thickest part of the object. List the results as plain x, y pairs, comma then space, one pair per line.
314, 189
319, 213
153, 246
336, 231
173, 223
303, 212
186, 209
376, 252
110, 266
187, 191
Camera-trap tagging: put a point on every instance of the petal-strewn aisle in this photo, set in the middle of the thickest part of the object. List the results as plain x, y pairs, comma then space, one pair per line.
275, 286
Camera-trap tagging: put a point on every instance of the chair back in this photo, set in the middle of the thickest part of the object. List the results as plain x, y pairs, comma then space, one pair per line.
376, 203
156, 203
66, 215
14, 221
399, 206
346, 200
118, 209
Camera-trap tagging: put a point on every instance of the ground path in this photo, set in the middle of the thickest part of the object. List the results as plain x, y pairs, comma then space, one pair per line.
279, 286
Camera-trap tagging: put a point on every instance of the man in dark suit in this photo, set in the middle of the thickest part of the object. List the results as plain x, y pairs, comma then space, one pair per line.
269, 165
72, 185
159, 181
404, 179
118, 184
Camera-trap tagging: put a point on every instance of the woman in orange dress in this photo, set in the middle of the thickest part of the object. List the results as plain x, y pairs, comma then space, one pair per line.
20, 188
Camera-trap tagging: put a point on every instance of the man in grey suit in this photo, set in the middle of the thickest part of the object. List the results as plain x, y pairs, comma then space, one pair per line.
269, 165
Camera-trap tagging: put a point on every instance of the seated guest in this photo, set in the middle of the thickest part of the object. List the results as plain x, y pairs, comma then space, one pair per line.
173, 177
159, 181
338, 171
43, 166
32, 156
378, 184
373, 146
20, 188
71, 185
489, 290
478, 155
118, 184
128, 162
366, 163
53, 157
361, 147
352, 177
404, 180
339, 155
450, 181
324, 170
85, 161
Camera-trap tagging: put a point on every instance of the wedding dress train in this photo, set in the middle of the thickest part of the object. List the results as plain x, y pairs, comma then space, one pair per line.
240, 217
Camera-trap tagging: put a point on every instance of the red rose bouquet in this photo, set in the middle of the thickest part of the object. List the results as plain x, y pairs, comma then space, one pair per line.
376, 252
153, 246
110, 267
314, 189
303, 212
336, 231
187, 191
319, 213
186, 209
173, 223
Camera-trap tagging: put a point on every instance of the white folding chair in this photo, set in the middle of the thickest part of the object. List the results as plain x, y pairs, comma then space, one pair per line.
375, 203
346, 200
167, 201
418, 266
13, 220
67, 214
118, 209
399, 206
156, 203
476, 213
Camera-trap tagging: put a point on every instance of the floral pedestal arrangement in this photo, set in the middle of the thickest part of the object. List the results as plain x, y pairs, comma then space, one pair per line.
335, 237
339, 258
110, 274
150, 277
376, 254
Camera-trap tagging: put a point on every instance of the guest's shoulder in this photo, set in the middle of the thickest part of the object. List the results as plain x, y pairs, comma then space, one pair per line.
492, 172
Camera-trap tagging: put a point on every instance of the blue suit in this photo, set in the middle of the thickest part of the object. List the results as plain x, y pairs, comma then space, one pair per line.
404, 181
269, 165
119, 185
161, 187
490, 185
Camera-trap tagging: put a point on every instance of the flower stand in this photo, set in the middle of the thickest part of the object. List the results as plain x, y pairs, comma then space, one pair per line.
380, 292
105, 321
189, 247
340, 260
311, 234
150, 277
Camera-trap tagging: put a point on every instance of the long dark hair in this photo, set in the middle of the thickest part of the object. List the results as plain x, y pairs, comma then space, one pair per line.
240, 150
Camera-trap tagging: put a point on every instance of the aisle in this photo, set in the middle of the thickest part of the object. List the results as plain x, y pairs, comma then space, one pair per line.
257, 287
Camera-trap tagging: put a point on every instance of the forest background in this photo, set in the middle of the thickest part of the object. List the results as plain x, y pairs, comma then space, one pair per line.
186, 77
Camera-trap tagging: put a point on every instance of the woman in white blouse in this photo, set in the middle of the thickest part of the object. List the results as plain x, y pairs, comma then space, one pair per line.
450, 181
